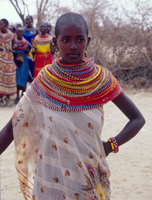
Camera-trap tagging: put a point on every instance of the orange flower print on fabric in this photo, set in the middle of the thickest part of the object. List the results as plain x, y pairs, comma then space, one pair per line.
67, 173
51, 118
20, 162
9, 79
6, 67
55, 179
33, 197
65, 140
76, 195
100, 155
85, 194
41, 156
90, 155
79, 164
3, 78
10, 55
22, 116
54, 147
3, 54
90, 125
13, 67
23, 145
76, 132
25, 124
42, 189
36, 150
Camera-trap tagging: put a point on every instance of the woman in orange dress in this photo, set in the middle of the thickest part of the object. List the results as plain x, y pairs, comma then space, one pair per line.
7, 65
42, 49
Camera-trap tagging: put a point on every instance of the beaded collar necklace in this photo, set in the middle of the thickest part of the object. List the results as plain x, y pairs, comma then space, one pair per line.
7, 37
84, 85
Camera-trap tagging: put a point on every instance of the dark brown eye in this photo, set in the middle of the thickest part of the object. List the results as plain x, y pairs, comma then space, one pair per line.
80, 40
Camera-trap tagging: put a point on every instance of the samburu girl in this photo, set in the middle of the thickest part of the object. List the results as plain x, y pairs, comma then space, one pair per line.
57, 124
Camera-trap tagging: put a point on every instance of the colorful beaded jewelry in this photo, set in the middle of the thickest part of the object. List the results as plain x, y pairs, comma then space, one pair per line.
114, 145
74, 87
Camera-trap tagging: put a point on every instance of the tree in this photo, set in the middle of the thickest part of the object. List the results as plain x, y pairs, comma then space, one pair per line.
46, 10
17, 7
41, 9
49, 10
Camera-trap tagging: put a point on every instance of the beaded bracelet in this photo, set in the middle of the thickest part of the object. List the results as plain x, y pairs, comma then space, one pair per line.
114, 145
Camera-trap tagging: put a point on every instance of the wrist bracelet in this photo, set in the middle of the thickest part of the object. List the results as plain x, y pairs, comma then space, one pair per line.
114, 145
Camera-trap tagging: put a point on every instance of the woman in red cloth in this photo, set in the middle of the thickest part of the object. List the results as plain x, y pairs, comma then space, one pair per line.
57, 125
42, 49
7, 65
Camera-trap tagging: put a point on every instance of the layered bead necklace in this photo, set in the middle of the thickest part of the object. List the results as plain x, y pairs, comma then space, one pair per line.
85, 84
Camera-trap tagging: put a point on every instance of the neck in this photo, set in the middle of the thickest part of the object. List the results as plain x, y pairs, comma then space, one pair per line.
19, 38
4, 31
29, 26
43, 34
66, 63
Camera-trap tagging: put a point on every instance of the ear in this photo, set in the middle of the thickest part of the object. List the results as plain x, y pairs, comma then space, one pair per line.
89, 39
55, 44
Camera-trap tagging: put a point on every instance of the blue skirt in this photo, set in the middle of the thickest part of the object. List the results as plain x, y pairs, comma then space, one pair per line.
22, 71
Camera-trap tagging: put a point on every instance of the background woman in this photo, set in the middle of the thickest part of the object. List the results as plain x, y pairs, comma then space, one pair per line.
7, 65
29, 33
21, 61
49, 29
42, 49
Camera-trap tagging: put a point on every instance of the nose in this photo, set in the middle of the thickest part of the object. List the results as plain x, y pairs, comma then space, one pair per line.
73, 45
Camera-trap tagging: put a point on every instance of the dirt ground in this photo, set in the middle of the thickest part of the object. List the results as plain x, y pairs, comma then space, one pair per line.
131, 168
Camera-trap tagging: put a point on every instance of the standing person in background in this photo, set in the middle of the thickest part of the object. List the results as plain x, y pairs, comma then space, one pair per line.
29, 33
18, 26
49, 29
41, 50
12, 29
7, 65
21, 61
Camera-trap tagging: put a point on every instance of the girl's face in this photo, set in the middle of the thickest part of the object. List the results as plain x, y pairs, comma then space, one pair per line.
28, 21
43, 29
3, 26
20, 33
72, 43
48, 29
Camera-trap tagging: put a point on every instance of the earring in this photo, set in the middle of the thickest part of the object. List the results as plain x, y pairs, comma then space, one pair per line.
57, 53
86, 53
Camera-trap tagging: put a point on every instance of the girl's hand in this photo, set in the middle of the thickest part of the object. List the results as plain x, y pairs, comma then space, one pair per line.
107, 147
15, 46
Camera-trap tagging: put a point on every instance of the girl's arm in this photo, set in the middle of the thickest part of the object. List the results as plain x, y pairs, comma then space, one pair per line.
136, 121
6, 136
13, 44
36, 32
27, 49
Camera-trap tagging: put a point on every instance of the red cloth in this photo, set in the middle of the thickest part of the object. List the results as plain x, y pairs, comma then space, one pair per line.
41, 60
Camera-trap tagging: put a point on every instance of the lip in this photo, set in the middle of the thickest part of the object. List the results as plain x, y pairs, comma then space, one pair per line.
73, 55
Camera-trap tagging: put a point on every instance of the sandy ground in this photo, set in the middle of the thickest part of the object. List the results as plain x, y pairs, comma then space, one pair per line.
131, 168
